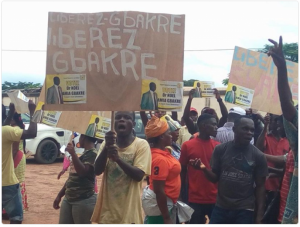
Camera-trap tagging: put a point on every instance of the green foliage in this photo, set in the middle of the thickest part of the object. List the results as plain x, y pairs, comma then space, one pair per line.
225, 81
189, 83
20, 85
290, 51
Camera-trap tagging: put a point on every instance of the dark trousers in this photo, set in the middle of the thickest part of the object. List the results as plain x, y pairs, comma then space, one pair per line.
224, 216
200, 210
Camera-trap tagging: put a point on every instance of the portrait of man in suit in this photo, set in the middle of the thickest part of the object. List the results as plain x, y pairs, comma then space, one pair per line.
38, 115
149, 99
54, 93
92, 129
230, 96
198, 92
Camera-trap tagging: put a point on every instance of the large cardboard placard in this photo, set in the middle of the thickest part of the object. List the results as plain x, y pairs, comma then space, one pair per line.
257, 71
115, 50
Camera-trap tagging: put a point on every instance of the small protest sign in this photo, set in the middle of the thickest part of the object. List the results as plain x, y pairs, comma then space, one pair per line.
239, 95
161, 95
203, 89
19, 100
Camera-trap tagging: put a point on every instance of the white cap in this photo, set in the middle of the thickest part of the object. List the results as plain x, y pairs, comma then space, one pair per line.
237, 110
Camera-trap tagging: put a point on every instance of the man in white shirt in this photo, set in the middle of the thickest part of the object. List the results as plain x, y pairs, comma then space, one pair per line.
149, 99
225, 133
54, 93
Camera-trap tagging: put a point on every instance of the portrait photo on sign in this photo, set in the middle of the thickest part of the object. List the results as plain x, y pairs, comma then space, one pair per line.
161, 95
239, 95
203, 89
98, 126
66, 89
39, 112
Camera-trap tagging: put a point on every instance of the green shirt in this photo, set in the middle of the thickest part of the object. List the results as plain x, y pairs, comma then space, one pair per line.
81, 187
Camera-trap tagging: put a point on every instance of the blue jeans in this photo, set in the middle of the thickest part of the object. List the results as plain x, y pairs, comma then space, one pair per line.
12, 202
224, 216
200, 210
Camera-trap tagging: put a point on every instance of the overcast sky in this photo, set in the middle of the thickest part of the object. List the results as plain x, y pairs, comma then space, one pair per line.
210, 27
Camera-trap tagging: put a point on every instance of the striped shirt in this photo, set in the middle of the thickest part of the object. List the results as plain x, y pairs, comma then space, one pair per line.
285, 187
226, 134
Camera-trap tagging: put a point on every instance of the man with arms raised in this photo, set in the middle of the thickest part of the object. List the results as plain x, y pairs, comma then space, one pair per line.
11, 194
125, 160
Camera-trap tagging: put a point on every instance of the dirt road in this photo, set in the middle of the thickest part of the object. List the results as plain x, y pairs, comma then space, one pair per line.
42, 188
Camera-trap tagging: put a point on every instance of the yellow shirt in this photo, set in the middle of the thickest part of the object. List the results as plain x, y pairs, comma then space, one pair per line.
119, 199
184, 135
9, 135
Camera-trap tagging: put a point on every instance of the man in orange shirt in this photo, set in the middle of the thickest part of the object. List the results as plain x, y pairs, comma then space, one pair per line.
202, 193
273, 143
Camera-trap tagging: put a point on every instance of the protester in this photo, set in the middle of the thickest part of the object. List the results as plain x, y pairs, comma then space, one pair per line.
258, 122
192, 125
225, 133
201, 192
288, 160
80, 198
19, 162
236, 166
174, 128
165, 173
290, 114
11, 192
184, 134
66, 164
125, 160
273, 144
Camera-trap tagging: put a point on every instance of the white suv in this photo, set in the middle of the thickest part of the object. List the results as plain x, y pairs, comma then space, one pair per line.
46, 145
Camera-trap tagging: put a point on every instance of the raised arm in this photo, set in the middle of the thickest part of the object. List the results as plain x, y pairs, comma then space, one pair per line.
285, 95
144, 118
10, 114
32, 129
223, 109
186, 114
260, 143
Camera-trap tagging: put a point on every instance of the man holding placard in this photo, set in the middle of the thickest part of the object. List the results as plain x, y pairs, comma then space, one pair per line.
125, 160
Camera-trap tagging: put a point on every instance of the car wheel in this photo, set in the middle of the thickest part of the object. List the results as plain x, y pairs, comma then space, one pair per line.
46, 152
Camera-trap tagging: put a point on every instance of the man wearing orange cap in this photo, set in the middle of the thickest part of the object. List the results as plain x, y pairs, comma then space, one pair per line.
125, 160
165, 174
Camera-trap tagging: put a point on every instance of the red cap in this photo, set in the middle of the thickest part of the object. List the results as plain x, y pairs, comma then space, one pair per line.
193, 109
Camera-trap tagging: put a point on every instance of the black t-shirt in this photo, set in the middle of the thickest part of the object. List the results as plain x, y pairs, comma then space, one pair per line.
237, 168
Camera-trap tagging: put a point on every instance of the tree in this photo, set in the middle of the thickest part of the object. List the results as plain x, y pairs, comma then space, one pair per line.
20, 85
189, 83
290, 51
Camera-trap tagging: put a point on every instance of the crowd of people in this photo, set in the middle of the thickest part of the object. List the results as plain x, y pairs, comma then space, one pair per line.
241, 168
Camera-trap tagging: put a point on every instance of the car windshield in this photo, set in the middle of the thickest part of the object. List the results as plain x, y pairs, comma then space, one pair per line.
25, 118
